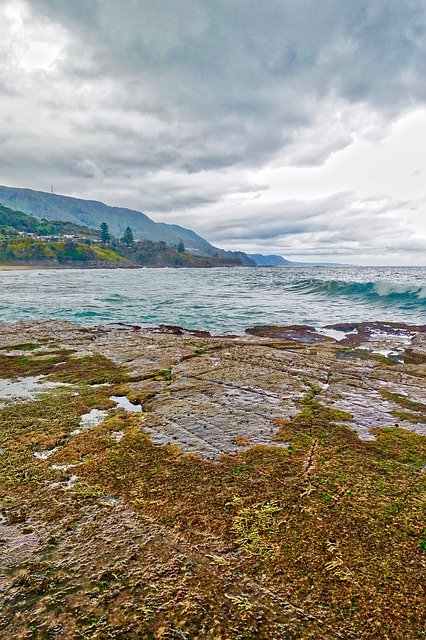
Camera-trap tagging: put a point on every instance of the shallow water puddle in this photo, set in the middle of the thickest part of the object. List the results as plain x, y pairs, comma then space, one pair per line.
64, 467
90, 420
95, 416
401, 335
44, 455
123, 402
389, 343
387, 353
25, 388
67, 484
110, 501
332, 333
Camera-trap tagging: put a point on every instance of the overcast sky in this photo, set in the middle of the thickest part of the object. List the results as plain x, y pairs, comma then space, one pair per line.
295, 127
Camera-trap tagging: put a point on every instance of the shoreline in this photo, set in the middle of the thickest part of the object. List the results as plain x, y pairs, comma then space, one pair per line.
38, 267
390, 340
63, 267
21, 267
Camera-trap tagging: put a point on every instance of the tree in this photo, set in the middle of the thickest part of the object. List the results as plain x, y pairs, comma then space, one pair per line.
105, 234
180, 247
128, 237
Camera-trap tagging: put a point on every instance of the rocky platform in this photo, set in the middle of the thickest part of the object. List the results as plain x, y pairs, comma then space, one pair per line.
168, 483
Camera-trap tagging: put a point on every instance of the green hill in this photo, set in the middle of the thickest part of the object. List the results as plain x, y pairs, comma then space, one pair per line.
91, 213
26, 240
18, 221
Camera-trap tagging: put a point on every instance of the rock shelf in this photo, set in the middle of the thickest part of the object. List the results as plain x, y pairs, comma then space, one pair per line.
162, 483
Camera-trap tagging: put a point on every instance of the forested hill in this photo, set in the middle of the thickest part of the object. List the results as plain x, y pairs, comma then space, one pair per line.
92, 213
18, 221
25, 240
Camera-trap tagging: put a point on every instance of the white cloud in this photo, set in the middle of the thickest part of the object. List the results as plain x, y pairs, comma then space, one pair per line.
28, 44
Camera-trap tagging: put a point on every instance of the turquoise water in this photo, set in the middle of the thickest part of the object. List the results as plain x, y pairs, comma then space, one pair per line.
220, 300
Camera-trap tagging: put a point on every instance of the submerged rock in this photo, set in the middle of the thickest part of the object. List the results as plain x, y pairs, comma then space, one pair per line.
297, 333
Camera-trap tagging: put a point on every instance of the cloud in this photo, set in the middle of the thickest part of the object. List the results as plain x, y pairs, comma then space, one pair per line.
266, 220
337, 225
173, 107
233, 82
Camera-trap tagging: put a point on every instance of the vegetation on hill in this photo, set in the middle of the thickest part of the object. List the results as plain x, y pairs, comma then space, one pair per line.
91, 213
26, 240
159, 254
27, 250
14, 221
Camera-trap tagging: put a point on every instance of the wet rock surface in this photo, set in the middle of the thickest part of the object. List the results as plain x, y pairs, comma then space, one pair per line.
209, 394
126, 554
78, 531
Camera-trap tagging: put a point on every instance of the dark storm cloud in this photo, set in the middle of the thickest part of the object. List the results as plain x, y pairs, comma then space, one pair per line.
238, 77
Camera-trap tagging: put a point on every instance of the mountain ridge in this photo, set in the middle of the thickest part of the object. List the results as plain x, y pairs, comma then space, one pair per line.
26, 240
92, 213
271, 260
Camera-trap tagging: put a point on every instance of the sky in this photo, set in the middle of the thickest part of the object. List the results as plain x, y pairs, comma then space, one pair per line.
293, 127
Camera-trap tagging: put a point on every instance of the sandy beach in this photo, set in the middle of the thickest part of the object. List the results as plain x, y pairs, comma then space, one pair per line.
56, 266
14, 267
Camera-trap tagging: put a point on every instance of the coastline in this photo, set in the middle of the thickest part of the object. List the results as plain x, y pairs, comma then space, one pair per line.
41, 266
61, 267
22, 267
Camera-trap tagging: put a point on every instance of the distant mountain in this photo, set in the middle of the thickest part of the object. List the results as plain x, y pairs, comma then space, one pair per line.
269, 261
278, 261
92, 213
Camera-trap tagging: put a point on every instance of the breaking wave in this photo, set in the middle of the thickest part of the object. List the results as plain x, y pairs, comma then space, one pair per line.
218, 300
401, 295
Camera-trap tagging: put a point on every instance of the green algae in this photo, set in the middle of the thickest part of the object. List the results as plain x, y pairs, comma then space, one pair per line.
414, 412
93, 369
331, 485
18, 366
163, 375
414, 418
24, 346
403, 401
331, 516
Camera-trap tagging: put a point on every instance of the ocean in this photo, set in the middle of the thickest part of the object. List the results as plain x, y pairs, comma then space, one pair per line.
225, 300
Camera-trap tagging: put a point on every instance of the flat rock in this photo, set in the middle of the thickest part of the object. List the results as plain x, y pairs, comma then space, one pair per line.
224, 393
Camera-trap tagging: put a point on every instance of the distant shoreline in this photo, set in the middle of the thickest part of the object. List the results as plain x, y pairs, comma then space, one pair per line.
9, 267
36, 267
87, 267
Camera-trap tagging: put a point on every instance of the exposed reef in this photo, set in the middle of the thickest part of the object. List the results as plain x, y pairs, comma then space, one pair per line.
165, 483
